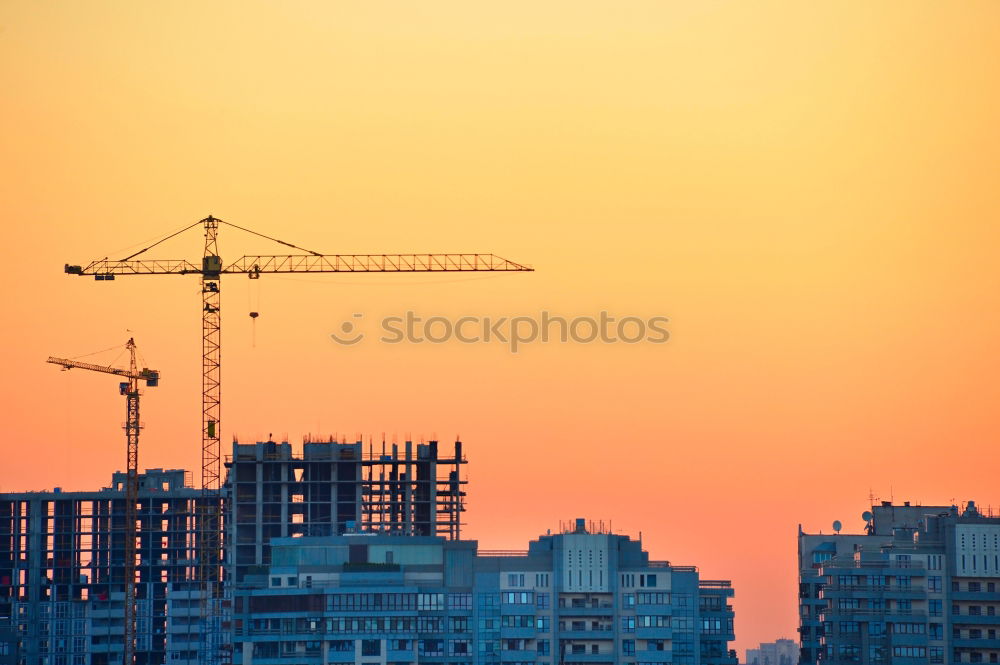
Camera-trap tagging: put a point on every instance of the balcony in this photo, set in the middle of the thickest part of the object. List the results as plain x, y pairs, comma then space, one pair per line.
608, 658
654, 633
582, 635
602, 611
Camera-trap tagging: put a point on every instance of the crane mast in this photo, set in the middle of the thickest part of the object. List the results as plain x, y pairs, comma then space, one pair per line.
210, 271
130, 389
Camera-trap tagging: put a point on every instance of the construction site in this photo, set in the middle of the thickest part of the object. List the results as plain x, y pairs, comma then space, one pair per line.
62, 554
141, 572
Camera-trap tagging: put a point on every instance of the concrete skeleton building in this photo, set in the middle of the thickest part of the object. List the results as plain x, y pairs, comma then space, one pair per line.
923, 591
333, 488
581, 596
62, 574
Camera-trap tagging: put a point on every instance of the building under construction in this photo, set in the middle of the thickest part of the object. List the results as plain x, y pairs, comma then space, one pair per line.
62, 585
62, 572
335, 488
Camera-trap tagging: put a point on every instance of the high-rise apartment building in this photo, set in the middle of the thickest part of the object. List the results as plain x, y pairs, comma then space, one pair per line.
924, 593
580, 596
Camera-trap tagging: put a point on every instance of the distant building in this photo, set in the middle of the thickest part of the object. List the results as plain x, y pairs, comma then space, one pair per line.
779, 652
580, 596
922, 594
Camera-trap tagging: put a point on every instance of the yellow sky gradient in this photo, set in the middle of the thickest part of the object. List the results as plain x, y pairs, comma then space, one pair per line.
808, 191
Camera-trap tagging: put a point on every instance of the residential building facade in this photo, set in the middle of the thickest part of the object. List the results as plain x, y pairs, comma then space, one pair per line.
922, 595
580, 596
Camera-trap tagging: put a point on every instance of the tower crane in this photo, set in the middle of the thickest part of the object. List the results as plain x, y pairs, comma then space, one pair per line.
130, 389
210, 270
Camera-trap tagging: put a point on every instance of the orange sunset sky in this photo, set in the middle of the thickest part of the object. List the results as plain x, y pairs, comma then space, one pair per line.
809, 190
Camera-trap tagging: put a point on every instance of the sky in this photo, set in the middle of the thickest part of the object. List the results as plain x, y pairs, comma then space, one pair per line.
808, 191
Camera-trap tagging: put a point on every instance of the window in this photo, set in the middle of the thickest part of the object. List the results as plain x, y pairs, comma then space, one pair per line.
849, 652
628, 624
515, 579
711, 626
934, 606
934, 584
628, 647
513, 644
935, 631
275, 581
430, 601
542, 601
542, 647
431, 647
460, 601
371, 647
909, 652
659, 598
517, 597
974, 587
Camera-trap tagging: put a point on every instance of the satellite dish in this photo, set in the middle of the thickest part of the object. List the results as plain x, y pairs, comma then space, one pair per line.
837, 525
867, 516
